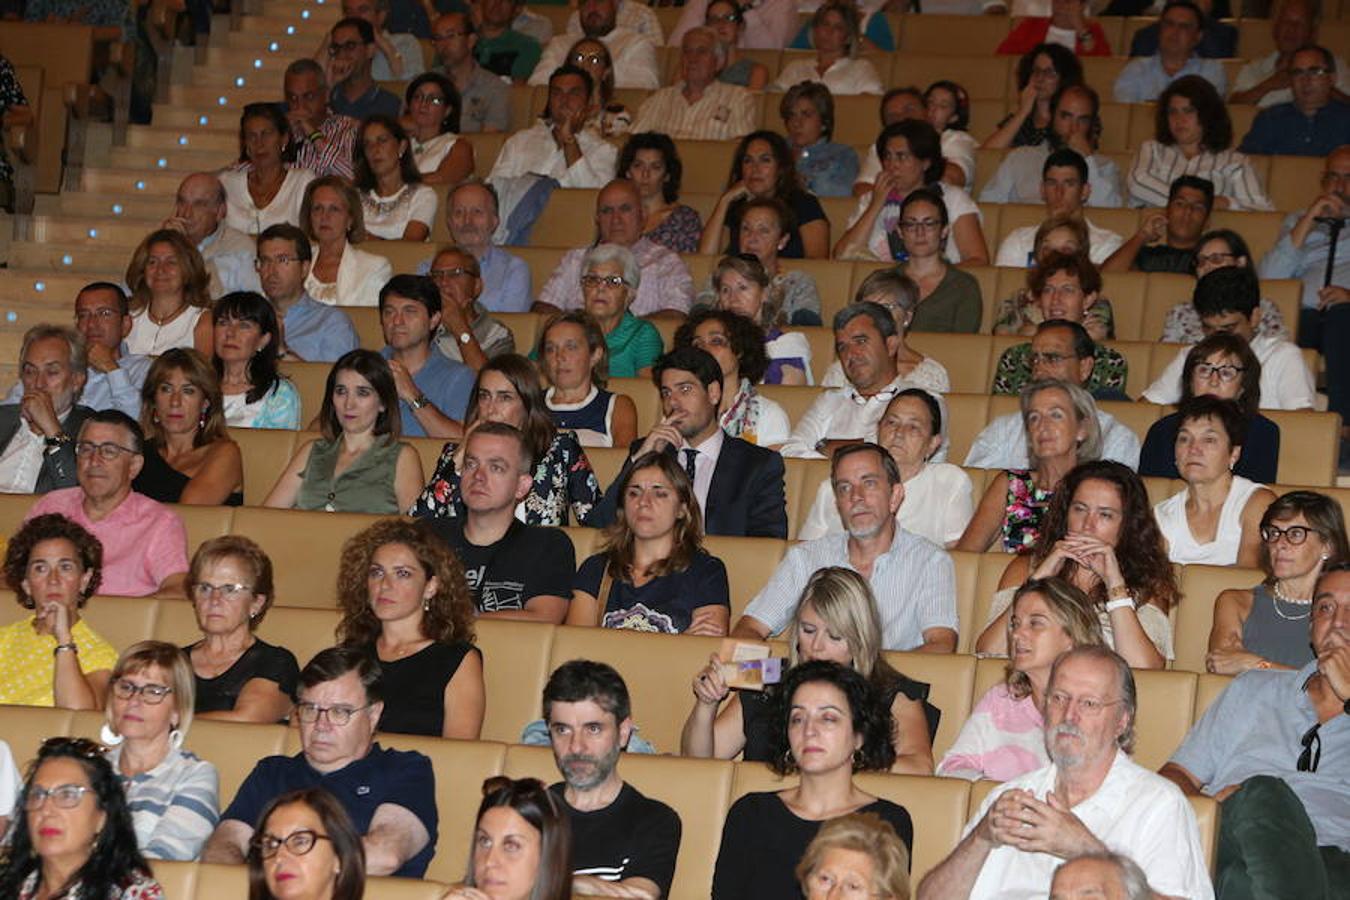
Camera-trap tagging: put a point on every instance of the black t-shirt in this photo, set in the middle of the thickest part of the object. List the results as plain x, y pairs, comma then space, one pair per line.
805, 210
665, 604
763, 840
262, 660
529, 561
414, 687
1163, 258
633, 837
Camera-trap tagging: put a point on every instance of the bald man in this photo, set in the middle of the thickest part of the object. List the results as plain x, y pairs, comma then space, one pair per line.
199, 215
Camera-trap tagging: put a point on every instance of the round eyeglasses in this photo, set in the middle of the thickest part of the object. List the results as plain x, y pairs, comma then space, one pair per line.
1294, 534
152, 694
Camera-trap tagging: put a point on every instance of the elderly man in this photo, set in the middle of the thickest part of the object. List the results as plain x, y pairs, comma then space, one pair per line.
467, 334
36, 429
666, 287
484, 98
325, 138
310, 331
1100, 876
1314, 122
1074, 121
699, 108
1267, 81
1180, 28
398, 57
199, 215
560, 146
1090, 798
351, 50
144, 542
1066, 187
913, 580
390, 795
500, 48
471, 215
1274, 749
1167, 241
635, 59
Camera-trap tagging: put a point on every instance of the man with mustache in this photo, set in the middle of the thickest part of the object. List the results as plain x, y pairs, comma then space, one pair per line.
1091, 798
623, 844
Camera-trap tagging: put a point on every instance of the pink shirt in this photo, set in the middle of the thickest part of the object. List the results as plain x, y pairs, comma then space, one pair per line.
1003, 739
144, 542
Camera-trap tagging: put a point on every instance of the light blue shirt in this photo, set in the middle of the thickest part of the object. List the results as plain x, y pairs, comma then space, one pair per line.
506, 281
319, 333
446, 383
1143, 80
1308, 262
119, 389
236, 269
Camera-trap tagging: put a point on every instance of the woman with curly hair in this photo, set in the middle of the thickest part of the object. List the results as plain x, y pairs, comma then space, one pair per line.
170, 296
1041, 73
396, 206
404, 600
73, 836
827, 726
738, 346
54, 659
1193, 135
1099, 535
744, 287
653, 573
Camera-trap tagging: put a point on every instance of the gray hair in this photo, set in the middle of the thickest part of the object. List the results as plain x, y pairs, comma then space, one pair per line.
1129, 697
897, 287
719, 49
1132, 878
1084, 408
879, 315
306, 66
79, 356
614, 253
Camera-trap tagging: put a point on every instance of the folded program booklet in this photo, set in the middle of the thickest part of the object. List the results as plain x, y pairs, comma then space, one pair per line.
748, 666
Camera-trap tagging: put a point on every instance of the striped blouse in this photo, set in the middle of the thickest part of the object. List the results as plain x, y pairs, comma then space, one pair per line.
1157, 165
174, 806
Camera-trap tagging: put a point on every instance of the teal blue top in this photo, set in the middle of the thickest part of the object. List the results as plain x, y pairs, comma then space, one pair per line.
635, 344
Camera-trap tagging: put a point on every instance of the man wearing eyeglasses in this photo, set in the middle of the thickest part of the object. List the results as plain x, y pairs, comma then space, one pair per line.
326, 139
1274, 750
1091, 798
36, 427
390, 795
350, 53
700, 107
471, 215
310, 331
634, 54
144, 542
1315, 122
1266, 81
467, 333
1229, 299
485, 99
1181, 27
396, 57
199, 215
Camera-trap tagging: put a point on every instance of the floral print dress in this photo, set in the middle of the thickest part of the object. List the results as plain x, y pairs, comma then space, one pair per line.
1025, 510
564, 483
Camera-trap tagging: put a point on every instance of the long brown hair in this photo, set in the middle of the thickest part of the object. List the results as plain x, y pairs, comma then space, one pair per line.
1073, 612
196, 281
688, 539
538, 426
201, 375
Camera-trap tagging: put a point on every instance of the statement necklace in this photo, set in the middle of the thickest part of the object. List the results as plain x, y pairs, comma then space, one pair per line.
1277, 596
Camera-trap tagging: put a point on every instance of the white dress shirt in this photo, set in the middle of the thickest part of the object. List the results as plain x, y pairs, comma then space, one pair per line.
1134, 812
847, 75
532, 151
630, 14
1015, 251
706, 455
1003, 443
1018, 178
1286, 382
634, 56
841, 414
21, 461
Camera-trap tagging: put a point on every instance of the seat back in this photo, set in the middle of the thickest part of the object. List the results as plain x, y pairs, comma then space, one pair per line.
967, 566
750, 562
1200, 588
310, 544
1166, 703
1308, 445
234, 748
1208, 687
310, 380
965, 357
516, 663
203, 523
265, 452
951, 678
967, 415
26, 727
122, 621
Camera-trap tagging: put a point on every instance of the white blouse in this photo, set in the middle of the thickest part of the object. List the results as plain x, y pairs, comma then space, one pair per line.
243, 214
388, 217
849, 75
1157, 165
359, 279
148, 339
431, 154
1183, 548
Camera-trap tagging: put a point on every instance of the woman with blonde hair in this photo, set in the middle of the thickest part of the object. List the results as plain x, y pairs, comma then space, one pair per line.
342, 275
170, 296
173, 795
858, 855
744, 287
189, 456
836, 620
1004, 736
405, 602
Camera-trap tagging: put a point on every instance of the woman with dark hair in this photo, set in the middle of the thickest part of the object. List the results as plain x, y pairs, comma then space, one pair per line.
651, 162
53, 566
565, 487
188, 454
1216, 519
522, 845
762, 167
1041, 72
404, 600
653, 573
827, 169
743, 287
359, 465
1266, 627
766, 228
727, 20
266, 189
606, 115
1021, 313
247, 341
434, 108
949, 299
170, 303
1224, 366
1099, 535
948, 109
828, 725
911, 159
1216, 249
395, 204
1004, 737
1193, 135
836, 620
306, 848
737, 344
575, 359
239, 677
342, 274
836, 36
73, 835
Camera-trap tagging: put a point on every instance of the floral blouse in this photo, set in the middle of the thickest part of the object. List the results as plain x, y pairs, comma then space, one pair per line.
1183, 324
139, 886
563, 480
1021, 310
1109, 370
680, 231
1025, 508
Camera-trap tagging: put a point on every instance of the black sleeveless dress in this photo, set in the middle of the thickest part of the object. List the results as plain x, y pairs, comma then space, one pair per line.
160, 481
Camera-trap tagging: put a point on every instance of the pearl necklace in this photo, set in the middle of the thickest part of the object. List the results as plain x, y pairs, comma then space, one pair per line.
1277, 595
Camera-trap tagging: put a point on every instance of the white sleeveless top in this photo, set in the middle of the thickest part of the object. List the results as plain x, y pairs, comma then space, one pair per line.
148, 339
1223, 550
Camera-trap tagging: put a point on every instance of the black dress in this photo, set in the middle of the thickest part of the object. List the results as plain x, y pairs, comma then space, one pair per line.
414, 687
160, 481
262, 660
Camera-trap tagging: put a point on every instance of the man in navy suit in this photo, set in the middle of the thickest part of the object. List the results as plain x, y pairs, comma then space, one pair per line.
738, 485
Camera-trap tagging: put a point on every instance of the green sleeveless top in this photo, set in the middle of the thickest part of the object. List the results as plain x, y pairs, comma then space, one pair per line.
367, 486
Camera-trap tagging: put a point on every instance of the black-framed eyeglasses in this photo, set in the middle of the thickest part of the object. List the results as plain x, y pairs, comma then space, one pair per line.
1294, 534
1226, 372
298, 843
337, 715
345, 47
1312, 749
153, 694
714, 18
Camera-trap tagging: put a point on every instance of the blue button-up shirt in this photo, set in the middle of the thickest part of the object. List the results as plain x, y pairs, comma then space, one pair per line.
446, 383
1308, 262
1285, 130
317, 332
1143, 80
506, 281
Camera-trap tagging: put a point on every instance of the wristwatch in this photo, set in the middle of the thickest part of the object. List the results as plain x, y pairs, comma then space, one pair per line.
419, 401
55, 441
465, 337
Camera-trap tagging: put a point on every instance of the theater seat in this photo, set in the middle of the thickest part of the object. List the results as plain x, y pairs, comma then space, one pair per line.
1200, 588
950, 678
265, 452
750, 562
203, 523
964, 356
13, 507
967, 566
122, 621
795, 400
310, 378
1166, 702
304, 632
516, 663
1208, 687
1308, 442
26, 727
303, 546
177, 878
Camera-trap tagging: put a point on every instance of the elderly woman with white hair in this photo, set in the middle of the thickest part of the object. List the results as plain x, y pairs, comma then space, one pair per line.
173, 795
609, 283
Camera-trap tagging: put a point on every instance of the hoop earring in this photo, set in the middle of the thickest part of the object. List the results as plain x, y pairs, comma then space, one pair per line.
108, 737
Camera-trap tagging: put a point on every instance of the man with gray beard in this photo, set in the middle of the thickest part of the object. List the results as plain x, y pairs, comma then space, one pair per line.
1090, 799
623, 844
